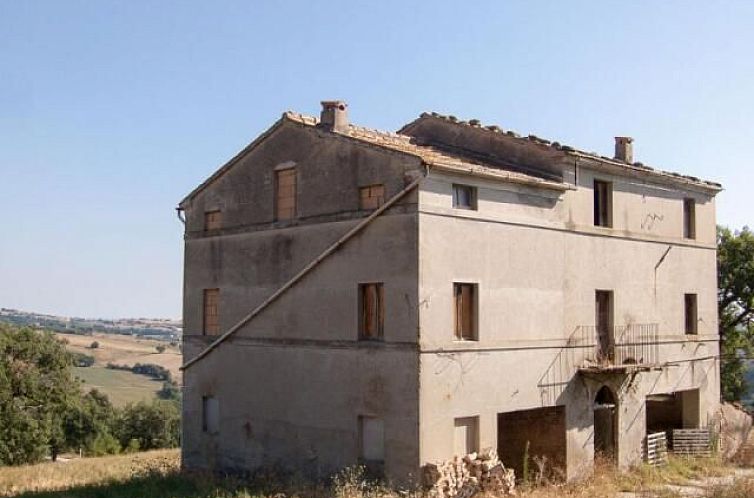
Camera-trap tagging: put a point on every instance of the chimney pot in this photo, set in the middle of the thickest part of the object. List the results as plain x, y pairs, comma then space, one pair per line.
334, 116
624, 149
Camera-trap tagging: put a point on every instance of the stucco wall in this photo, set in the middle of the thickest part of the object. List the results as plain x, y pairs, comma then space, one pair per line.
292, 383
537, 263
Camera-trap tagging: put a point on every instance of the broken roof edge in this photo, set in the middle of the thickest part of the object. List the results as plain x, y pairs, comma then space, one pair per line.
676, 178
500, 175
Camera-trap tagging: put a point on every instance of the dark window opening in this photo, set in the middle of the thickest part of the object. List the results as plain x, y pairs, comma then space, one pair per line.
464, 197
690, 313
603, 200
285, 194
689, 219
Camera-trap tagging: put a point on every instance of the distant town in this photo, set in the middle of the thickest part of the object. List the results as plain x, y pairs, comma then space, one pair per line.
154, 328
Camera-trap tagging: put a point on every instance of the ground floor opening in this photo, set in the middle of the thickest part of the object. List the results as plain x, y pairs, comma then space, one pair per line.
537, 437
606, 425
676, 410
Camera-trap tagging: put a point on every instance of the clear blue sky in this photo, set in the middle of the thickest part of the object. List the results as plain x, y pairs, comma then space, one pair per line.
111, 111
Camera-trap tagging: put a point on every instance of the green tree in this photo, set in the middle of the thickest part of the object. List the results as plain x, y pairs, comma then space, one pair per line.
88, 425
36, 390
735, 271
151, 425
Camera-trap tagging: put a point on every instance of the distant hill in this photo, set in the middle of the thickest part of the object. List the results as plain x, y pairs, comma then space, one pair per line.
156, 328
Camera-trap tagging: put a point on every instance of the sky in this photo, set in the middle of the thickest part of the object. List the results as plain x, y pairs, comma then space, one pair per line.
112, 111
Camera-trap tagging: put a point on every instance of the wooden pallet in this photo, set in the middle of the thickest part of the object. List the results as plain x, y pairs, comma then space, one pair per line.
657, 449
692, 442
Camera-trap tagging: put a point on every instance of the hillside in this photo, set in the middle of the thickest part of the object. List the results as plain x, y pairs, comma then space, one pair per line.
122, 386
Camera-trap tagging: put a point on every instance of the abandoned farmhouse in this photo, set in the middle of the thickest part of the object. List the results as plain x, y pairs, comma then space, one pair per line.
353, 295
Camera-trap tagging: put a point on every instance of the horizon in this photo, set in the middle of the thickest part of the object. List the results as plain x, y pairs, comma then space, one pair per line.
115, 111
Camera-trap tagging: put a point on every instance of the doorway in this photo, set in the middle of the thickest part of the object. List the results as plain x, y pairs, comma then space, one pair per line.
606, 425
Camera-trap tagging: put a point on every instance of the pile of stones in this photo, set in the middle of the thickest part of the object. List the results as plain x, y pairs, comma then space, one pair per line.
463, 477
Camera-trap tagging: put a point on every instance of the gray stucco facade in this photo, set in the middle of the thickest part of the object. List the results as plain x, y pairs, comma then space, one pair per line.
293, 384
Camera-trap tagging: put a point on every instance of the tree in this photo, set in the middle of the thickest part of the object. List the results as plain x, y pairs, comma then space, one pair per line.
150, 425
88, 425
160, 348
36, 390
94, 345
735, 271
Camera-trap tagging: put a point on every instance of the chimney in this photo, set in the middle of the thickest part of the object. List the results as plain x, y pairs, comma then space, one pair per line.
624, 149
334, 116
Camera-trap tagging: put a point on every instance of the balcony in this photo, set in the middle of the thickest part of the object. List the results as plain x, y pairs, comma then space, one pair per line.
618, 349
593, 350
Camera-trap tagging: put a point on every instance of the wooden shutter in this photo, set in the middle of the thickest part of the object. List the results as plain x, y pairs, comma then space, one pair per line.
372, 311
211, 311
212, 220
371, 197
285, 194
464, 311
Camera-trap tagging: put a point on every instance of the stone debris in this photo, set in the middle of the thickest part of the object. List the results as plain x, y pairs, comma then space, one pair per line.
464, 477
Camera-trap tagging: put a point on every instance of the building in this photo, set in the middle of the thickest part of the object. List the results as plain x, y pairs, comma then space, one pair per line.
400, 298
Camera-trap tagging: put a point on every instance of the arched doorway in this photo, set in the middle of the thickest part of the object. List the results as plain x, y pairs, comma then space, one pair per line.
605, 424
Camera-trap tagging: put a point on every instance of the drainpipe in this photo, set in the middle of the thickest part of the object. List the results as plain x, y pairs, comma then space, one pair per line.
308, 268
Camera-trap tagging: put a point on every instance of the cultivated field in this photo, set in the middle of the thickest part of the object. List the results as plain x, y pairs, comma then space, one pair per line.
156, 474
122, 386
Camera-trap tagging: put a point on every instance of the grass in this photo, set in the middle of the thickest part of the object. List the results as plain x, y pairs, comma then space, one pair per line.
121, 386
156, 474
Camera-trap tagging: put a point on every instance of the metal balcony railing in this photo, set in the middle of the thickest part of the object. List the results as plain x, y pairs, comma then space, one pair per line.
633, 344
588, 348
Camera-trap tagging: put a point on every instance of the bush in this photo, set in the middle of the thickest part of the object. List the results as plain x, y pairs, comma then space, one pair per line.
94, 345
160, 348
82, 360
170, 391
104, 444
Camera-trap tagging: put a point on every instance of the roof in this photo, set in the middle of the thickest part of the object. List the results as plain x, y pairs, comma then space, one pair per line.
446, 160
430, 155
638, 167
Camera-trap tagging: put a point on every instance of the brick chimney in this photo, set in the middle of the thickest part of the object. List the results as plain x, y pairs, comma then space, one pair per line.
334, 115
624, 149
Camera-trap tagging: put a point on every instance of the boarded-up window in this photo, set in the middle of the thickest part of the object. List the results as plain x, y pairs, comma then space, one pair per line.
212, 220
464, 197
603, 203
285, 194
465, 311
466, 435
371, 197
210, 415
371, 311
689, 218
371, 439
211, 311
690, 312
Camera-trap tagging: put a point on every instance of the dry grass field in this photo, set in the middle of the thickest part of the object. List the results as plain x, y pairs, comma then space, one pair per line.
121, 386
156, 474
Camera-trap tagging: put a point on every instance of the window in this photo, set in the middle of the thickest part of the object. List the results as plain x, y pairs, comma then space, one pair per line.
371, 439
464, 197
212, 220
603, 204
371, 311
371, 197
603, 320
465, 311
689, 219
690, 313
211, 312
285, 194
466, 436
210, 415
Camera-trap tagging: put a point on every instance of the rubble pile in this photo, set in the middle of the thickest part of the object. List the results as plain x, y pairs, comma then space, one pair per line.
466, 476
